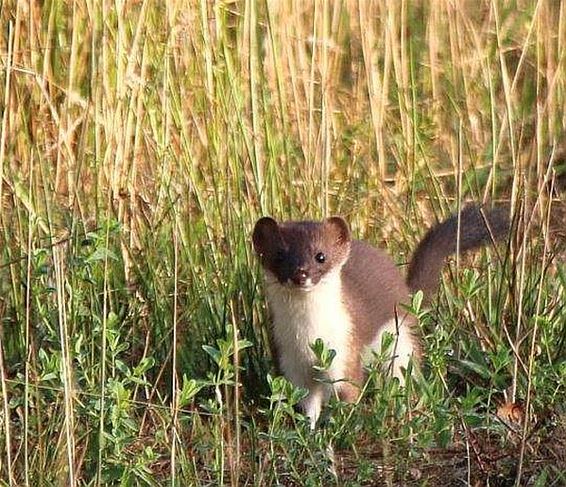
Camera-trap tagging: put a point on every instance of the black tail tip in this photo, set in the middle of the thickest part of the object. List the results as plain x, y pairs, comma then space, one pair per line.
485, 224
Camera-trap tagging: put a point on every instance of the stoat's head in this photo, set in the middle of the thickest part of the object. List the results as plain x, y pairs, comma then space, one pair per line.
301, 254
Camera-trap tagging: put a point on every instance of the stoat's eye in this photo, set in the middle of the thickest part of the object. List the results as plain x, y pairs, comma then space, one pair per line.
320, 258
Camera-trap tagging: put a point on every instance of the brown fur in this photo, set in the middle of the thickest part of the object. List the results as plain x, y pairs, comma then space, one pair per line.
300, 254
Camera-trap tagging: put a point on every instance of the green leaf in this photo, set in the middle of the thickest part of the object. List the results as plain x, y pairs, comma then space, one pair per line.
213, 352
189, 390
479, 369
101, 254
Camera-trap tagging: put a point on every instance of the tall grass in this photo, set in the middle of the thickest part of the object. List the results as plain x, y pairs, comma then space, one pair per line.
139, 142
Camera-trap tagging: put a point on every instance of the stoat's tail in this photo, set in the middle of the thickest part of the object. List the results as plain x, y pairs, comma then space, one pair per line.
478, 227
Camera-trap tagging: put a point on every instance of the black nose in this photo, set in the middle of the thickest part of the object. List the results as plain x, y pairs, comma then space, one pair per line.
300, 277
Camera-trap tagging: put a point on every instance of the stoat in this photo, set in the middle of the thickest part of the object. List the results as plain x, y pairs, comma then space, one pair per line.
320, 283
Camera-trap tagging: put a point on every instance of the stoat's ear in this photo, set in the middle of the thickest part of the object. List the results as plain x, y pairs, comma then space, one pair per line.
266, 235
338, 229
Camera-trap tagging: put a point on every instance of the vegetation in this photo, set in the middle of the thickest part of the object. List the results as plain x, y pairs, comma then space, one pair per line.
139, 142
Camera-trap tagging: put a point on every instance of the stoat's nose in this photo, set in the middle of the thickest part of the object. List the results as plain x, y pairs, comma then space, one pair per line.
301, 277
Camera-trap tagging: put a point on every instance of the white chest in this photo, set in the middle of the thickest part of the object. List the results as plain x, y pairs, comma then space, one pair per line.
299, 318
